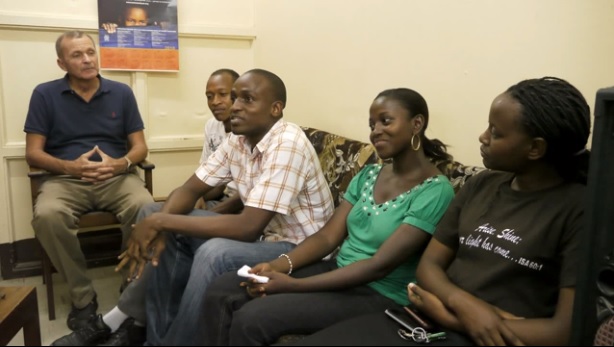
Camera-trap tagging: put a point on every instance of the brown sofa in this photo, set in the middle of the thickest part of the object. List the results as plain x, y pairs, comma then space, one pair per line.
342, 158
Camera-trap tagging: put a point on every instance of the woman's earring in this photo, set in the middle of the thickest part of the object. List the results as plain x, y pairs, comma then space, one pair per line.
415, 147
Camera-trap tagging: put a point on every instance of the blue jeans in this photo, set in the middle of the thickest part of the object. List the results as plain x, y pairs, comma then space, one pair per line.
132, 299
187, 266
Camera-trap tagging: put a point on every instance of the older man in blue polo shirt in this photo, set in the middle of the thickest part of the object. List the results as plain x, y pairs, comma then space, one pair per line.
88, 131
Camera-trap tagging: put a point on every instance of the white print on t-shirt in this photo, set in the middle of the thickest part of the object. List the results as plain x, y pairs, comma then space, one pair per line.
482, 241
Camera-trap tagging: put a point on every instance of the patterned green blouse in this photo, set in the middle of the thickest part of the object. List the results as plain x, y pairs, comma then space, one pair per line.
370, 224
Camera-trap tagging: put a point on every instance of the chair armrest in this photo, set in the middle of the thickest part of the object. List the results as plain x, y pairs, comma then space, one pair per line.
146, 165
37, 172
36, 176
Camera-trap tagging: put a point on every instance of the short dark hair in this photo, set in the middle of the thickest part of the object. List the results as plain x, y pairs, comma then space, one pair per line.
279, 88
130, 6
230, 72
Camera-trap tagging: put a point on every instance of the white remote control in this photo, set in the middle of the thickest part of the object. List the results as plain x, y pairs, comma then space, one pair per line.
243, 273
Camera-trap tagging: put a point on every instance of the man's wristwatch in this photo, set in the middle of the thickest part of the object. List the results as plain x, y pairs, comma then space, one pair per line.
129, 163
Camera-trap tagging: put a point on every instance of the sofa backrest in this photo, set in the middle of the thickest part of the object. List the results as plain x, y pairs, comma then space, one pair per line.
342, 158
458, 173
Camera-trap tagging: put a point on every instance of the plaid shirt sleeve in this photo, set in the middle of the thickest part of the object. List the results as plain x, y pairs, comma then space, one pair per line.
215, 171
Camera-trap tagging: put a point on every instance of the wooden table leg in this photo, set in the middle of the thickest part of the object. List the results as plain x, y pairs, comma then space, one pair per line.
31, 327
19, 310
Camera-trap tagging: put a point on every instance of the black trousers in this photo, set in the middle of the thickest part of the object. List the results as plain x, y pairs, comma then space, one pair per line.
374, 329
232, 318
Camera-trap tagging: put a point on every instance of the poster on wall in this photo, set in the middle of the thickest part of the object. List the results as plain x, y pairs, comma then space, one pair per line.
138, 35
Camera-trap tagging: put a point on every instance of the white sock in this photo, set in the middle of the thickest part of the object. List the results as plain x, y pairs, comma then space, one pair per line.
114, 318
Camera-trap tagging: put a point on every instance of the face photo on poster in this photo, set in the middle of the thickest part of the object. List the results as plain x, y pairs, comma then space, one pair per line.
128, 25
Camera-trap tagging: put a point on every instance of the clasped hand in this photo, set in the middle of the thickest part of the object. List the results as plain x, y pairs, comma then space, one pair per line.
485, 323
146, 243
96, 171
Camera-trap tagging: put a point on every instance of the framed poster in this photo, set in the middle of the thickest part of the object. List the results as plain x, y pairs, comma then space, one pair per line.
138, 35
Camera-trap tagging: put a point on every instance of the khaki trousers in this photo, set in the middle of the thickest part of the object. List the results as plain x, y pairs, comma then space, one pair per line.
59, 204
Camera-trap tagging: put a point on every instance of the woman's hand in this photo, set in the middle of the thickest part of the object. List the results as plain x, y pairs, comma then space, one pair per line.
484, 322
480, 320
259, 268
254, 288
430, 305
278, 283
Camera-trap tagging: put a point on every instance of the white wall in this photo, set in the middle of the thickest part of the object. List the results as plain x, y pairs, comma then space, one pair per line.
334, 56
173, 105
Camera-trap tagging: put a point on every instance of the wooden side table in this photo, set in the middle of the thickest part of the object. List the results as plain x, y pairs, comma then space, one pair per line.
19, 309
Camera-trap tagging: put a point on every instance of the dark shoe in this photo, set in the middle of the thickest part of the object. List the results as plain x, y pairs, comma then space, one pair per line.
80, 318
90, 335
128, 334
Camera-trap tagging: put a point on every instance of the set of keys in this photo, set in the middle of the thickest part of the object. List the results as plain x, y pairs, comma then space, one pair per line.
419, 335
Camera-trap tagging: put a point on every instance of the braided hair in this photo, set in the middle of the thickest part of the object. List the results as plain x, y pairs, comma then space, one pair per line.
415, 104
556, 111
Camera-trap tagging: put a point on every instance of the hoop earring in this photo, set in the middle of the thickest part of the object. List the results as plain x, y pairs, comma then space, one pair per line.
415, 148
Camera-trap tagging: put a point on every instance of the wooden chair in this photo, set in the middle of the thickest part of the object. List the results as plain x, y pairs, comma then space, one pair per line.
98, 220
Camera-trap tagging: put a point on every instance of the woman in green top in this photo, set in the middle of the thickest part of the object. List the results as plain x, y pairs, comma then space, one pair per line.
387, 218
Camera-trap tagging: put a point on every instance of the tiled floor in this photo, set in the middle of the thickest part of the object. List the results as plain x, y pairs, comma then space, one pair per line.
106, 282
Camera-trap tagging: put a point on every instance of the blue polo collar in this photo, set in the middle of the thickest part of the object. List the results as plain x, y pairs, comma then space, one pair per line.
104, 85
